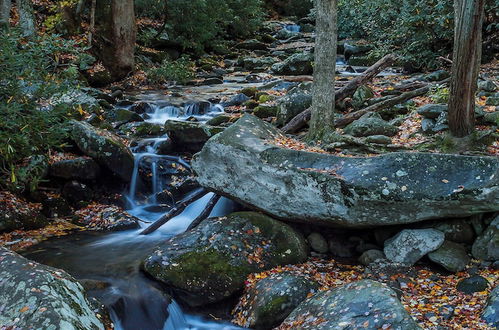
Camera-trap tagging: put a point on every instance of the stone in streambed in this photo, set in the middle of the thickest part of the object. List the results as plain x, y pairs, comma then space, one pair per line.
486, 246
212, 261
35, 296
78, 168
18, 213
408, 246
364, 304
104, 147
297, 64
273, 298
491, 312
451, 256
473, 284
318, 243
371, 124
189, 136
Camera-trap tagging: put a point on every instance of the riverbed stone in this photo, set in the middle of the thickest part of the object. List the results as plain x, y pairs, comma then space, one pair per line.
295, 65
491, 312
371, 256
363, 304
245, 163
122, 116
410, 245
318, 243
486, 246
432, 111
106, 148
371, 124
189, 136
17, 213
452, 256
36, 296
473, 284
272, 299
291, 105
77, 168
211, 262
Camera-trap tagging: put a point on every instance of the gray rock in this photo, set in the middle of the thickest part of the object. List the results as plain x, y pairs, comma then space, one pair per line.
493, 100
104, 147
35, 296
456, 230
370, 256
297, 64
291, 105
371, 124
451, 256
486, 246
491, 118
273, 298
441, 123
265, 111
396, 188
491, 312
78, 168
362, 304
122, 116
432, 111
361, 95
317, 243
142, 129
17, 213
212, 261
427, 125
438, 75
487, 86
473, 284
236, 100
257, 64
189, 136
410, 245
378, 139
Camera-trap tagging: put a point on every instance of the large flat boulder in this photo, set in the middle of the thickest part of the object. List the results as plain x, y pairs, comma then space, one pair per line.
34, 296
245, 164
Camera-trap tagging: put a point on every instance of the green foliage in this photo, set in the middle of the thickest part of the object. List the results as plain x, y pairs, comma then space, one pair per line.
440, 94
197, 24
418, 30
181, 71
31, 72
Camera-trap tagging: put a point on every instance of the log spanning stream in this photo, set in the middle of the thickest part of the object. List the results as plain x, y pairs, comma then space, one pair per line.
109, 264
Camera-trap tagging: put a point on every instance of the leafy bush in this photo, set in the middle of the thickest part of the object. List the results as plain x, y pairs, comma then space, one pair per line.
418, 30
197, 24
181, 71
30, 74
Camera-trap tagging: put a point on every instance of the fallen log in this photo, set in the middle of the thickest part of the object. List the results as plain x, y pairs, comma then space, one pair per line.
347, 119
301, 119
175, 210
205, 213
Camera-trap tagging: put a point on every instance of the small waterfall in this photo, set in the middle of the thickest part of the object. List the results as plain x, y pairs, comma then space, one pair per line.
177, 320
202, 111
292, 28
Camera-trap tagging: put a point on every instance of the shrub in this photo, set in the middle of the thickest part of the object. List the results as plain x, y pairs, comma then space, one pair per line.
181, 71
31, 72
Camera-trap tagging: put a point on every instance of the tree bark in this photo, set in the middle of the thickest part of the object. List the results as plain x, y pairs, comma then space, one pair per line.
322, 115
465, 65
91, 28
5, 6
26, 17
116, 36
301, 119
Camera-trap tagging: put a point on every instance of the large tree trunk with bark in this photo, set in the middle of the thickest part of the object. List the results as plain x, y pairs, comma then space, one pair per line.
5, 6
26, 17
322, 116
115, 36
465, 65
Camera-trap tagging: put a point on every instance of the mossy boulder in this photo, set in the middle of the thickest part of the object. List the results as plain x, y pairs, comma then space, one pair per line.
35, 296
106, 148
452, 256
142, 129
297, 64
220, 119
364, 304
486, 246
371, 124
17, 213
267, 303
291, 105
122, 116
190, 136
212, 261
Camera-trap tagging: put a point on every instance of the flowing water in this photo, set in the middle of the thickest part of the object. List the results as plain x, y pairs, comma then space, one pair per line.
109, 264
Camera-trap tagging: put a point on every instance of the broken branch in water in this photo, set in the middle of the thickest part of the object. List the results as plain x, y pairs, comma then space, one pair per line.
176, 210
206, 212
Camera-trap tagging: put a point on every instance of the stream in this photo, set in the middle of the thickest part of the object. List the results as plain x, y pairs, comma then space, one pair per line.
109, 263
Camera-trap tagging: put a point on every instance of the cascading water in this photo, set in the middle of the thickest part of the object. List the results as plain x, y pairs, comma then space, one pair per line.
111, 262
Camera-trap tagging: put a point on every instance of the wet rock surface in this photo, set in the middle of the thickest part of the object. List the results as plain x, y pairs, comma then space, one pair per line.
408, 246
244, 163
41, 297
212, 261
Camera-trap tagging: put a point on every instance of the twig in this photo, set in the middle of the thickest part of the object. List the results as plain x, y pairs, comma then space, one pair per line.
206, 212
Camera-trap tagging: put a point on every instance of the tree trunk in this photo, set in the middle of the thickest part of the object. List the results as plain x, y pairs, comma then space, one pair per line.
92, 22
322, 115
465, 65
116, 34
5, 6
26, 17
